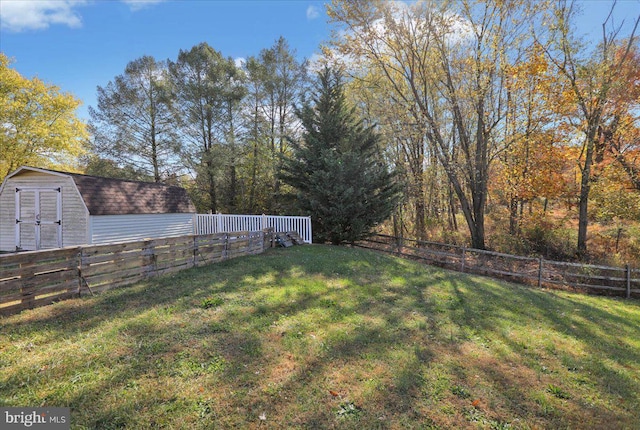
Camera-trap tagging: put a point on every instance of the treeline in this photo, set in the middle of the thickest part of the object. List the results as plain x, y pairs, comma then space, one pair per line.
499, 113
216, 126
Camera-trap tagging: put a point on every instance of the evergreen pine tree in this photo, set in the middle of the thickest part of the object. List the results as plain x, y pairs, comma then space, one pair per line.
337, 168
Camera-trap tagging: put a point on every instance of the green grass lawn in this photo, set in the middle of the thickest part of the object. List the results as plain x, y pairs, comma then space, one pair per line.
328, 337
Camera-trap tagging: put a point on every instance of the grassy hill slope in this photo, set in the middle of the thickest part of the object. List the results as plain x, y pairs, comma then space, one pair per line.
328, 337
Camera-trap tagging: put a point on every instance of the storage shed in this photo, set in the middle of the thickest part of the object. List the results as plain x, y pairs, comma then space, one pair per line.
43, 209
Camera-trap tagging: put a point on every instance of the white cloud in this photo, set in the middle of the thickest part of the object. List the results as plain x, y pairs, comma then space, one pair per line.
312, 12
20, 15
136, 5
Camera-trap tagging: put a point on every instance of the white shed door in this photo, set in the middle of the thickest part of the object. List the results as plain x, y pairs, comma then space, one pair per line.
38, 218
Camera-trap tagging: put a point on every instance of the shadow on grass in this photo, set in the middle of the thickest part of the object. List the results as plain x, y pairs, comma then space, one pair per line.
557, 323
322, 336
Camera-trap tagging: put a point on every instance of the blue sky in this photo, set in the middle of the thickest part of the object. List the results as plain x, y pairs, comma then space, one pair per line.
89, 43
80, 44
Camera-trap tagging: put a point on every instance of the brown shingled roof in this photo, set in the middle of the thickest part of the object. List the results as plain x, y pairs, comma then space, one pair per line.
105, 196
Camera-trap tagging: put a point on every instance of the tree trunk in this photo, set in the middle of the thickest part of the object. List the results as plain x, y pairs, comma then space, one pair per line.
479, 186
233, 187
154, 159
211, 182
254, 174
477, 232
453, 221
513, 215
212, 189
420, 226
585, 187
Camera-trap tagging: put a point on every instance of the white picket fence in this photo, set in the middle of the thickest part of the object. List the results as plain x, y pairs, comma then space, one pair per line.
222, 223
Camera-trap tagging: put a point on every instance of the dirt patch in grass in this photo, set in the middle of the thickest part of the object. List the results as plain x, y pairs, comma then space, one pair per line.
327, 337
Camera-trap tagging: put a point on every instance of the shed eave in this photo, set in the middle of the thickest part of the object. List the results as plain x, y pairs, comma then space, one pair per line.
21, 169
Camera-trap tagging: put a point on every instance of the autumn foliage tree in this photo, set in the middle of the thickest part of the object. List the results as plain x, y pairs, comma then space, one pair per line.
446, 65
590, 78
531, 166
38, 123
619, 136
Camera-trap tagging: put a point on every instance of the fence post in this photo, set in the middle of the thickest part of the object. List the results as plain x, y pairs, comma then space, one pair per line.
464, 251
628, 269
149, 258
540, 268
195, 251
28, 293
80, 272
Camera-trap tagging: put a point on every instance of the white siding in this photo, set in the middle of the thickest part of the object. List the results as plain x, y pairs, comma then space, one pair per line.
74, 213
7, 217
123, 228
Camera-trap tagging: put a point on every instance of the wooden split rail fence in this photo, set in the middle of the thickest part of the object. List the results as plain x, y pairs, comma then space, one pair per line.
621, 281
37, 278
